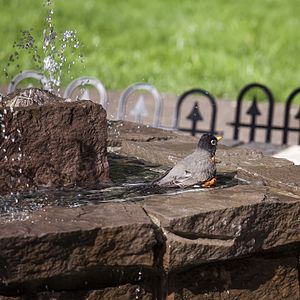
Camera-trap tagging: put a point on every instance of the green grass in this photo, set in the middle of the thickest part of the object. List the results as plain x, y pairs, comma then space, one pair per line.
175, 45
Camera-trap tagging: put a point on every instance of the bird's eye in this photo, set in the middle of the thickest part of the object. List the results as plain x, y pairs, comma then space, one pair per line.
213, 142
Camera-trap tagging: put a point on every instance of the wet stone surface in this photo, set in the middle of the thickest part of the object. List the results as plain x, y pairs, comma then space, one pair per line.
130, 180
124, 171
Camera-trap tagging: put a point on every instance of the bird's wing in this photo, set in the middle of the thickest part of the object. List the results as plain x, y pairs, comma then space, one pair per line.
195, 168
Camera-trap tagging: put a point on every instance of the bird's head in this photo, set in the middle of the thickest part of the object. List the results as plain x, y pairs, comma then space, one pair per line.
209, 143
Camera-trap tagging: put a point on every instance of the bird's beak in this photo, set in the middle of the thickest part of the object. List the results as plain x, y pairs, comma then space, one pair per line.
219, 138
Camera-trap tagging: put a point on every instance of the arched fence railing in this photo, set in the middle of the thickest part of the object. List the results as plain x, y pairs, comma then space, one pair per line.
195, 116
253, 111
81, 83
287, 112
27, 75
140, 110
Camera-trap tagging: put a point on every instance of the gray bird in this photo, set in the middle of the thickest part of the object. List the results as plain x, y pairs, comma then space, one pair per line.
197, 168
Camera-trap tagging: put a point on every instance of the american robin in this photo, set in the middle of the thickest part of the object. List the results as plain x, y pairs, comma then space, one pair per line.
197, 168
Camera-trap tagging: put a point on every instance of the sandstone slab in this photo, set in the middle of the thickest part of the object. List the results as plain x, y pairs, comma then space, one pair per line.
284, 178
165, 153
166, 148
251, 278
223, 224
55, 144
77, 243
154, 145
120, 131
231, 159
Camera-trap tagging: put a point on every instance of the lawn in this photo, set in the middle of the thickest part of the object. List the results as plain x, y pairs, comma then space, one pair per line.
175, 45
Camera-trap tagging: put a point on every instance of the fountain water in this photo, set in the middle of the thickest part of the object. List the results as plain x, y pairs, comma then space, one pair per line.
54, 48
51, 60
124, 172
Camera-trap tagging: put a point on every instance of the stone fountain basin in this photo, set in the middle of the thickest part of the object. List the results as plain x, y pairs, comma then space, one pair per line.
235, 242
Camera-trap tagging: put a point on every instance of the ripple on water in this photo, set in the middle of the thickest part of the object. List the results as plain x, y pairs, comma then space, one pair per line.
129, 177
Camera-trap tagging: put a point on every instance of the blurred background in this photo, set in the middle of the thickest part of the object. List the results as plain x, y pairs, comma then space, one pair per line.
174, 45
216, 45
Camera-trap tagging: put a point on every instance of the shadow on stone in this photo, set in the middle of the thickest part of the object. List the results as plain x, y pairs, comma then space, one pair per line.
260, 277
80, 283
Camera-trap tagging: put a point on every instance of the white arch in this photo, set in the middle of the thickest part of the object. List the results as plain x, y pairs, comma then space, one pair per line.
91, 81
146, 87
24, 75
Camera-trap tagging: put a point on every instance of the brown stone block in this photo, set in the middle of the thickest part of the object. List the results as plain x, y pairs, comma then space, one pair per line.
166, 147
221, 224
165, 153
120, 131
123, 292
253, 278
62, 242
232, 159
151, 144
126, 292
58, 144
285, 178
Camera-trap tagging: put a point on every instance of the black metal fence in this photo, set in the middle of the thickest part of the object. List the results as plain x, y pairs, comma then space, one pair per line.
253, 112
195, 115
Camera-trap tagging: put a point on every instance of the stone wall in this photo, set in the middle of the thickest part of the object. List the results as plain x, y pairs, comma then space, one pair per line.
235, 241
